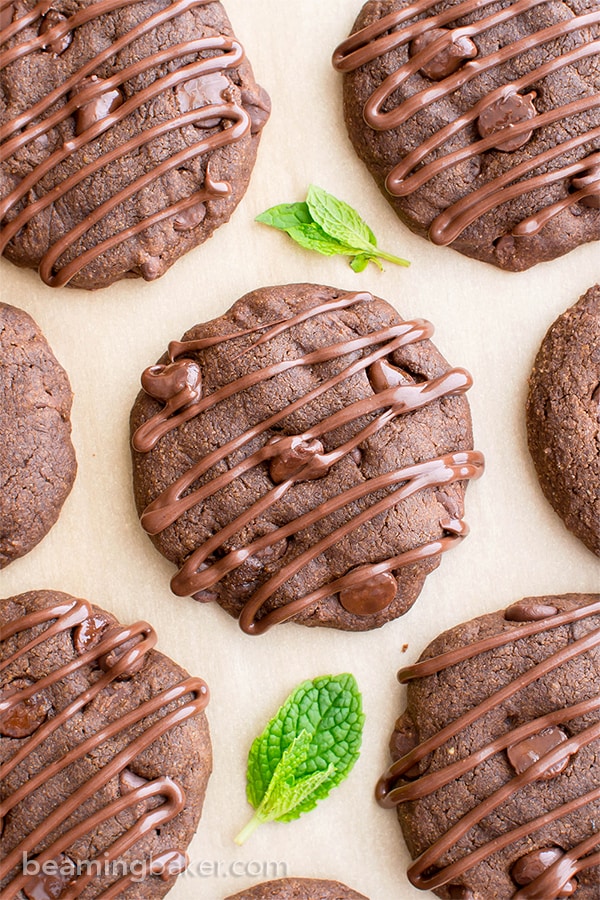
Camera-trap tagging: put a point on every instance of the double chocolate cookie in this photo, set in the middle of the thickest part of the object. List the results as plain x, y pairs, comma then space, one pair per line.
304, 457
130, 130
480, 121
563, 417
104, 751
298, 889
37, 460
496, 773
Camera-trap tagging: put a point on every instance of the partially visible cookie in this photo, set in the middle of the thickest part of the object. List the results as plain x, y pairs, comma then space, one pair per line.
480, 121
131, 132
37, 460
305, 457
298, 889
496, 768
105, 754
563, 417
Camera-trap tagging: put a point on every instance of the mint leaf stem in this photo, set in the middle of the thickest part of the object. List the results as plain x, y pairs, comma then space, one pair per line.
248, 829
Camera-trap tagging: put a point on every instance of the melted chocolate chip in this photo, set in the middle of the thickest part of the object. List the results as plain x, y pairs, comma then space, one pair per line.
383, 375
108, 660
258, 107
460, 892
527, 752
373, 595
528, 610
58, 45
356, 455
168, 382
98, 107
152, 268
529, 867
26, 717
6, 16
129, 781
507, 111
50, 883
295, 457
190, 217
446, 61
206, 90
589, 179
89, 633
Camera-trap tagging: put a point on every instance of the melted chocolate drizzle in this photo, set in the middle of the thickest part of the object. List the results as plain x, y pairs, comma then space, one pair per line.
296, 458
120, 652
98, 105
537, 750
397, 30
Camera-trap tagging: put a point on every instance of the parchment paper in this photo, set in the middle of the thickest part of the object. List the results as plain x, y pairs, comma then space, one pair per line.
486, 320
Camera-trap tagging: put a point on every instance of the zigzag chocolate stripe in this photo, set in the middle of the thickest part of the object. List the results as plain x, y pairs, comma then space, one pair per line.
299, 458
99, 105
120, 652
551, 759
373, 42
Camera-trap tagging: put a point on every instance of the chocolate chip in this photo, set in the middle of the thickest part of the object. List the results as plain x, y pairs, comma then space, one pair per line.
371, 596
25, 717
524, 754
58, 45
529, 610
164, 382
108, 660
529, 867
98, 107
509, 110
589, 178
383, 375
190, 217
294, 457
447, 60
258, 106
89, 633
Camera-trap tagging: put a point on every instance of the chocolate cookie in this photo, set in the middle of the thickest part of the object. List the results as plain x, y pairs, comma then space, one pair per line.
480, 121
563, 417
496, 767
105, 754
131, 129
37, 460
298, 889
304, 457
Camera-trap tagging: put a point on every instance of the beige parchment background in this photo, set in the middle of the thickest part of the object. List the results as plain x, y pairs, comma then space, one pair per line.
486, 320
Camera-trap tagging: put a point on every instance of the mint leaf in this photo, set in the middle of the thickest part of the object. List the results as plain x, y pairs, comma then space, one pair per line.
307, 749
329, 226
286, 215
339, 220
312, 237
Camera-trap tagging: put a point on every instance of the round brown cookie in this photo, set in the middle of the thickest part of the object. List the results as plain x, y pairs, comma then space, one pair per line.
563, 417
131, 131
105, 754
37, 460
304, 456
298, 889
480, 121
495, 773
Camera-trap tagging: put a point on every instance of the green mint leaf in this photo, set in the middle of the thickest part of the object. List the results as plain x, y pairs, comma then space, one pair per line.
360, 262
307, 749
312, 237
286, 215
339, 220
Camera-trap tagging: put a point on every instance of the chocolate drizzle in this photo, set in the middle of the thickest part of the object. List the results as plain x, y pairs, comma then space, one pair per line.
539, 749
301, 457
126, 648
99, 104
440, 60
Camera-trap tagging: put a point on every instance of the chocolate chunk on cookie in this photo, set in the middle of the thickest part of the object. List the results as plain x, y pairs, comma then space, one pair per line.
563, 417
298, 889
304, 457
105, 754
496, 774
131, 129
480, 121
37, 460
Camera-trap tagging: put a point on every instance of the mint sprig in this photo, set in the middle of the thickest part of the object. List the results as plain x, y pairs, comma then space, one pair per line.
305, 751
329, 226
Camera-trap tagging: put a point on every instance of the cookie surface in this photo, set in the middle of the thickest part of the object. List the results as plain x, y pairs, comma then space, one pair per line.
496, 773
37, 460
105, 753
563, 417
298, 889
428, 89
131, 131
304, 456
